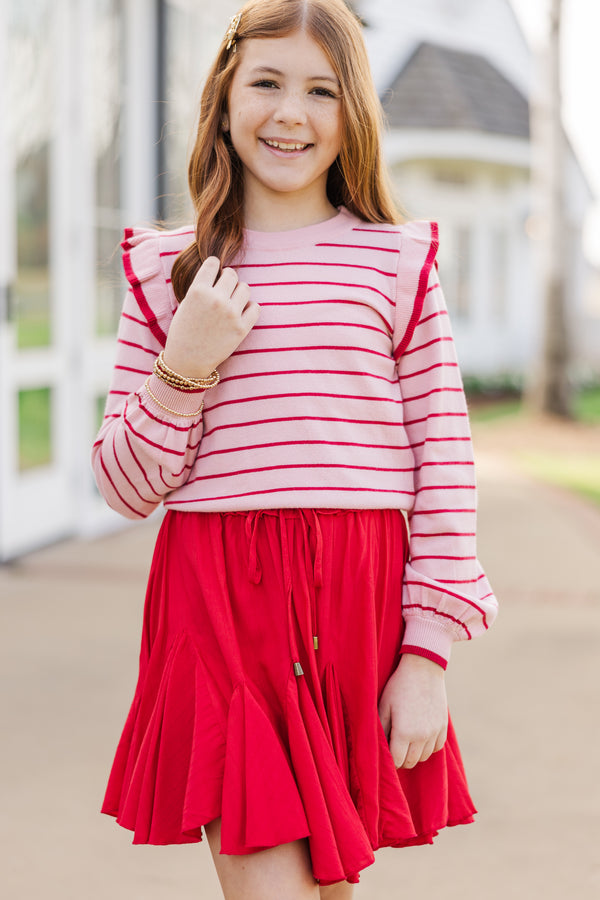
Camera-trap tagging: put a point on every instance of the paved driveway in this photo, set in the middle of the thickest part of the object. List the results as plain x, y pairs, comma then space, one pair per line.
525, 702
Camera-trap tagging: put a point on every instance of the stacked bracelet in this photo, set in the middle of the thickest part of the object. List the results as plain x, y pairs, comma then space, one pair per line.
168, 408
162, 371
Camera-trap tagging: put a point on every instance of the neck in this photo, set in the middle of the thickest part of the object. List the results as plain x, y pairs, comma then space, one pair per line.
285, 213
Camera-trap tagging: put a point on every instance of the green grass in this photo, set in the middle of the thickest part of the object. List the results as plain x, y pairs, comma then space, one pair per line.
576, 472
587, 406
35, 428
491, 411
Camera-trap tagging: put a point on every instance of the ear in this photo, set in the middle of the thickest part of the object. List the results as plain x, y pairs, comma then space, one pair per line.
225, 122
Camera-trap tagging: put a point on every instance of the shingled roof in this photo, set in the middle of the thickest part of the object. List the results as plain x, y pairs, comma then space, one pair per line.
443, 88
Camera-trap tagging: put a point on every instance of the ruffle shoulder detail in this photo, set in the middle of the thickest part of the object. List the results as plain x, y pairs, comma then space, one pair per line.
148, 255
419, 244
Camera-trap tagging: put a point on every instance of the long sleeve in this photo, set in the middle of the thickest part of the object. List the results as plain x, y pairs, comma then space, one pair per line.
142, 452
446, 595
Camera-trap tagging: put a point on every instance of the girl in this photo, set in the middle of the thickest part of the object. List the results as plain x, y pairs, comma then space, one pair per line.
286, 383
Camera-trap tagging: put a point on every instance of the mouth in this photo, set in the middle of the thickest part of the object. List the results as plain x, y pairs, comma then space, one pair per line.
285, 146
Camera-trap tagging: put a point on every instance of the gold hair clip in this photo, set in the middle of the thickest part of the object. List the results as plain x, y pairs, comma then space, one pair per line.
232, 31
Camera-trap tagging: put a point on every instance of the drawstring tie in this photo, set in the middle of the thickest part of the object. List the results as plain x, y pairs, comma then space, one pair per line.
310, 525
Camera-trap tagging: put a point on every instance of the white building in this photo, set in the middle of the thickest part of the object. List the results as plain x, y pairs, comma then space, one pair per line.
455, 77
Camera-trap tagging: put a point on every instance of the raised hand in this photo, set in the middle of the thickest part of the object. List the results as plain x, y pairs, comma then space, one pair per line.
414, 711
213, 319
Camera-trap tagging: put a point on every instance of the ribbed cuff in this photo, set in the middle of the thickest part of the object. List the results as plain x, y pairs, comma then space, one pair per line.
429, 637
178, 402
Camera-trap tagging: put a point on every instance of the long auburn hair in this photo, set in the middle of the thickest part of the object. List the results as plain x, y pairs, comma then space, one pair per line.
357, 179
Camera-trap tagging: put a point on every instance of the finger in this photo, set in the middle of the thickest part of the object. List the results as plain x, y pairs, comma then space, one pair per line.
441, 739
427, 750
413, 756
250, 315
399, 749
208, 271
385, 717
240, 296
228, 282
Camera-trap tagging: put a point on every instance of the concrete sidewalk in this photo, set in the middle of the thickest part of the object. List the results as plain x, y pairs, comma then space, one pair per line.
525, 701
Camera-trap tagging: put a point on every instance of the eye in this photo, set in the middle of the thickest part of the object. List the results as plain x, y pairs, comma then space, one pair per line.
264, 84
323, 92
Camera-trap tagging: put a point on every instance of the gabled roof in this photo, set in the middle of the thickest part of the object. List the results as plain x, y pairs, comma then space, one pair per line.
443, 88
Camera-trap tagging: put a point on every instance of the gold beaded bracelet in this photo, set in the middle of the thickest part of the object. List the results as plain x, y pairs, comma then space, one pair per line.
162, 371
168, 409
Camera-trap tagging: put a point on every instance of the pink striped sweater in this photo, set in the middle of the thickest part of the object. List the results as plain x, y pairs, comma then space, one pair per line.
346, 394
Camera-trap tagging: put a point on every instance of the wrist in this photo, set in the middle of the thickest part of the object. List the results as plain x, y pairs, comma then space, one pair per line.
416, 663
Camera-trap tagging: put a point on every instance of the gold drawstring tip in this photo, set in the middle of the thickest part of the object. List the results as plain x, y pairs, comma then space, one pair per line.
315, 642
298, 670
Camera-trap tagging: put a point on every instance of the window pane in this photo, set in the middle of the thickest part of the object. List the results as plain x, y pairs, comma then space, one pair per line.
35, 434
109, 77
31, 107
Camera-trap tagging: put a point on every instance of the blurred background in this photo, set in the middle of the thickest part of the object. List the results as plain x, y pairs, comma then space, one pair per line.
98, 100
493, 131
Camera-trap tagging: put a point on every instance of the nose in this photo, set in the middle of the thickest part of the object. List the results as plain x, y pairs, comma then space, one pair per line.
290, 109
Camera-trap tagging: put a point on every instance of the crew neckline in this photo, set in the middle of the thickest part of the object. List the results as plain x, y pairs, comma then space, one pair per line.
299, 237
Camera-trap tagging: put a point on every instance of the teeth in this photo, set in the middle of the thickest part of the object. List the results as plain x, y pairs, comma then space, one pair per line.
281, 146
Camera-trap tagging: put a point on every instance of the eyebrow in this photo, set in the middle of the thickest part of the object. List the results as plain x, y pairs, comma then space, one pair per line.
268, 70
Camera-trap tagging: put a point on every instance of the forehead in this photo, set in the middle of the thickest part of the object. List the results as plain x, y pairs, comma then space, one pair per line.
296, 54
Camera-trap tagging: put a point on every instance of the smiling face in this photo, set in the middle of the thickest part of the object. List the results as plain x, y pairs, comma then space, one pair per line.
285, 122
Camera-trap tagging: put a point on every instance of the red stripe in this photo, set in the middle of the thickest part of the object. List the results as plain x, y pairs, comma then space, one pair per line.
112, 484
457, 558
360, 247
171, 425
456, 390
440, 415
253, 399
421, 293
139, 295
277, 468
428, 654
139, 465
440, 534
433, 315
314, 347
160, 446
437, 340
434, 610
136, 346
344, 265
179, 475
366, 287
432, 288
460, 597
126, 476
435, 512
300, 444
449, 462
133, 319
336, 301
286, 489
313, 372
321, 325
440, 365
130, 369
448, 487
456, 581
210, 431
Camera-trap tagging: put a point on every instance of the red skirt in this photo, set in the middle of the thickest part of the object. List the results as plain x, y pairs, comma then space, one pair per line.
268, 638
